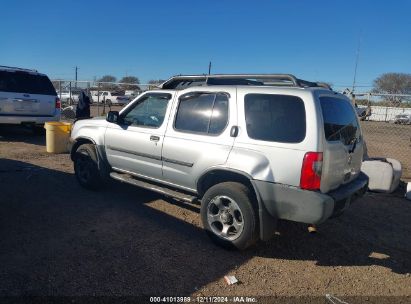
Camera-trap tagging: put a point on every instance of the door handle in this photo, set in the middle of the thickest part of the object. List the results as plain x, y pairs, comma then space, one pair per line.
154, 138
234, 131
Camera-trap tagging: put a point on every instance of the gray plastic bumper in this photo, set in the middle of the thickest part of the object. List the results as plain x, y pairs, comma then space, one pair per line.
311, 207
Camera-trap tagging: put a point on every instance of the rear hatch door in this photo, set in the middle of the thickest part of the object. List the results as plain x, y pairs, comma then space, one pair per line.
26, 94
343, 142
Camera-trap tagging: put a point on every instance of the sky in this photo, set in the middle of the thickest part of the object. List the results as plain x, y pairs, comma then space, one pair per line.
314, 40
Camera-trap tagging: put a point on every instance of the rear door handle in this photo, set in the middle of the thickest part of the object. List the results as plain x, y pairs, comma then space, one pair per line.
154, 138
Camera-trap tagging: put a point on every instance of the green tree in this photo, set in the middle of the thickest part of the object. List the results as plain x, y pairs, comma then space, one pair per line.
393, 83
130, 83
154, 81
107, 78
108, 83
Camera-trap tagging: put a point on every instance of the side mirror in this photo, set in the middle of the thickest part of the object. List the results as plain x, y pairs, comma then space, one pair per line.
113, 117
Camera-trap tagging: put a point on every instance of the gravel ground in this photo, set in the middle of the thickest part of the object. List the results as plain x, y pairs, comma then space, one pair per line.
59, 239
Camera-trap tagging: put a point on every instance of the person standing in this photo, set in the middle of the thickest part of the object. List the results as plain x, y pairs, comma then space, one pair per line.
83, 106
368, 113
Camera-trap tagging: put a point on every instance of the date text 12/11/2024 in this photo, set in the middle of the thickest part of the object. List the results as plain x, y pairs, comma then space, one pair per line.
200, 299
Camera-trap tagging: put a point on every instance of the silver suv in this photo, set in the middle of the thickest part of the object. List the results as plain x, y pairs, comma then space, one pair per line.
251, 149
27, 97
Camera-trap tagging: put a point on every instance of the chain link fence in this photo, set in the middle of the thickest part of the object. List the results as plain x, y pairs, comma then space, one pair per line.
103, 95
386, 123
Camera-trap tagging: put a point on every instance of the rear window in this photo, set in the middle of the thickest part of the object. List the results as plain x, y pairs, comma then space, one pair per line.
21, 82
278, 118
340, 120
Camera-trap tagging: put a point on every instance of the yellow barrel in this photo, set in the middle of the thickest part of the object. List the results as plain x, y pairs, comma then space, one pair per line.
57, 136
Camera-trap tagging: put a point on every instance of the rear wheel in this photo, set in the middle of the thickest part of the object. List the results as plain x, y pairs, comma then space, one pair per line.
229, 216
86, 167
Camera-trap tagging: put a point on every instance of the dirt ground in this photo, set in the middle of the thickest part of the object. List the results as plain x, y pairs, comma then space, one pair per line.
57, 238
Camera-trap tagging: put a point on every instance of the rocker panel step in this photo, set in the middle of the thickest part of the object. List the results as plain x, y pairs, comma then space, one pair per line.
127, 178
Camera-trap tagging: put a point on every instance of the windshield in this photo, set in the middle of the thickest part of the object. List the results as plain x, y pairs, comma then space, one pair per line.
340, 120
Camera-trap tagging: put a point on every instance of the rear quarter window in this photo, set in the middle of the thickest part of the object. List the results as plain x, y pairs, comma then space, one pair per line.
276, 118
22, 82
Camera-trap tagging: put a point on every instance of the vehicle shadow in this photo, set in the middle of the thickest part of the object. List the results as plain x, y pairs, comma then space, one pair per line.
11, 133
355, 239
60, 239
57, 238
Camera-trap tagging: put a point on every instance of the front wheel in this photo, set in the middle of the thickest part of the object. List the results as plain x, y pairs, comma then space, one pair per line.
229, 216
86, 167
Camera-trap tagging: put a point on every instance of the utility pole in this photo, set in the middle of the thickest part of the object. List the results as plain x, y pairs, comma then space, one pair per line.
209, 68
76, 68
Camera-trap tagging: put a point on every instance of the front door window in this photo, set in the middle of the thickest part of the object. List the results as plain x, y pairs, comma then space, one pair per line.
148, 112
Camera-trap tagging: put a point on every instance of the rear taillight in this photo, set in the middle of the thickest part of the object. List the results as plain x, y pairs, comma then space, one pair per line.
58, 103
311, 171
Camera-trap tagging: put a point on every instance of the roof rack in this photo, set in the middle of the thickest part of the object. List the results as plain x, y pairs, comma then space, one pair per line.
185, 81
16, 68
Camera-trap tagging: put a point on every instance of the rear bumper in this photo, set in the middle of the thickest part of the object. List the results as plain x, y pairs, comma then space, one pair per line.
28, 119
295, 204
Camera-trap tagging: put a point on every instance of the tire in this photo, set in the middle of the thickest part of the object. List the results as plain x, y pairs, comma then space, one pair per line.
229, 215
108, 102
86, 167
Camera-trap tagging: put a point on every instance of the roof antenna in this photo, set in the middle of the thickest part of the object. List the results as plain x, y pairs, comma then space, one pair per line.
209, 68
356, 62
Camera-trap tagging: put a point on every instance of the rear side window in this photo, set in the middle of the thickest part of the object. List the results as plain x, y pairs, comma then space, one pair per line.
205, 113
340, 120
277, 118
21, 82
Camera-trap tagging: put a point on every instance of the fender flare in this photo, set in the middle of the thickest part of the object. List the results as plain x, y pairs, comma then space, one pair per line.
267, 223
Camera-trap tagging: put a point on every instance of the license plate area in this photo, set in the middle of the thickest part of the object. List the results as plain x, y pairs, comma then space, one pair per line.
25, 105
